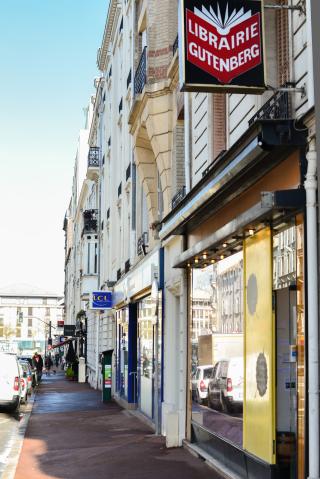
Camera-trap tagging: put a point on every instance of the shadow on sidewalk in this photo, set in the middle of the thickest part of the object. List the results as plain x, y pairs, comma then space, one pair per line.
72, 434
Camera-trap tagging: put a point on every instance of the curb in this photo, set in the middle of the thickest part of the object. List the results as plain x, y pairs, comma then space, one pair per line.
13, 458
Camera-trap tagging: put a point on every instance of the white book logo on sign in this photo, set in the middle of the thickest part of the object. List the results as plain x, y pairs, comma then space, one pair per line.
223, 26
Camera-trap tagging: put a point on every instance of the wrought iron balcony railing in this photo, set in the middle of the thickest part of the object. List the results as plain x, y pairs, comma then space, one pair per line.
178, 197
129, 79
142, 244
276, 108
140, 78
94, 157
128, 172
127, 266
90, 221
175, 45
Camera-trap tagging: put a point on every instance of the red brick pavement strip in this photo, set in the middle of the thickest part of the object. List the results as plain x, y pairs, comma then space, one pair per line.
71, 434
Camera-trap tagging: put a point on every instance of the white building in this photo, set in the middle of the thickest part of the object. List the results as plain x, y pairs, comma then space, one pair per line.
26, 315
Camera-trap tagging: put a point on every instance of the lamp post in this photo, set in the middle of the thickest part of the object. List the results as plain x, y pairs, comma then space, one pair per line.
47, 323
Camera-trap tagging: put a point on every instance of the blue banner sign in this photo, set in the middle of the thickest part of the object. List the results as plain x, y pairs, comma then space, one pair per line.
101, 300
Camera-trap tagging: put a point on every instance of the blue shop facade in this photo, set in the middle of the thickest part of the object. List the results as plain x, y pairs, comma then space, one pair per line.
138, 356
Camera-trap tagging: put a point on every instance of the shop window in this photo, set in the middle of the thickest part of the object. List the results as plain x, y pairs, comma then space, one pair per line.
217, 348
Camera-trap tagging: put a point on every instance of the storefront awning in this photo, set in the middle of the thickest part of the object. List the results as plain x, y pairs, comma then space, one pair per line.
273, 208
265, 144
62, 343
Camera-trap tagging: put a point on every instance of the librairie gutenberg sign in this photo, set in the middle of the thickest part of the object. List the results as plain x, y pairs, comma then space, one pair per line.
221, 46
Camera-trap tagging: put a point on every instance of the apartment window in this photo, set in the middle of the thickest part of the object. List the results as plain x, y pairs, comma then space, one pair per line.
18, 332
30, 322
30, 311
29, 333
1, 327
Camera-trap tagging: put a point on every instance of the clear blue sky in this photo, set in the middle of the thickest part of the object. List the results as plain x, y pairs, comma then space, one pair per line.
47, 66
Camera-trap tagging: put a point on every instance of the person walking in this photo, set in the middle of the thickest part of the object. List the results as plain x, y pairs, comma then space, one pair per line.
48, 364
37, 362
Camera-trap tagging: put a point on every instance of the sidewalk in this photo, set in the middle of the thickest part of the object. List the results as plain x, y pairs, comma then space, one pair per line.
72, 435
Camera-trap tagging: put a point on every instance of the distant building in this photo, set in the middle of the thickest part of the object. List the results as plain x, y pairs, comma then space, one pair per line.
25, 315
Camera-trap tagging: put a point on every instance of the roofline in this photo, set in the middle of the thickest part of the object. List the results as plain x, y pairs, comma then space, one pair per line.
103, 50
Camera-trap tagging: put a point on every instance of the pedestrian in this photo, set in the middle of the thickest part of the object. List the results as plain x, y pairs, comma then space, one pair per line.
37, 362
48, 364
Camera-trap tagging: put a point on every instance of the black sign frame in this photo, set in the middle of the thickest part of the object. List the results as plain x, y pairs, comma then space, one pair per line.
69, 330
194, 79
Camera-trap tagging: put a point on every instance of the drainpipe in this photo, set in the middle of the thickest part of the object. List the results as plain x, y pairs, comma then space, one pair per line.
309, 20
313, 330
187, 149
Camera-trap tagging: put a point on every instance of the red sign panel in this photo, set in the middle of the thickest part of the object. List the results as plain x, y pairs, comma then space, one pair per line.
222, 46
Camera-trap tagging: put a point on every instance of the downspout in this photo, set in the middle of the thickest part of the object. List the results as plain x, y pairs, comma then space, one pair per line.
312, 298
97, 313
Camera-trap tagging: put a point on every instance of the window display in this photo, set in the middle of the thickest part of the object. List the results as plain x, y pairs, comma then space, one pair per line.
217, 347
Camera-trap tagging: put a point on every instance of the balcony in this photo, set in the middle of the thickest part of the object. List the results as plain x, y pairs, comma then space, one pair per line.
129, 79
140, 78
175, 46
142, 244
93, 163
128, 172
127, 266
178, 197
276, 108
90, 222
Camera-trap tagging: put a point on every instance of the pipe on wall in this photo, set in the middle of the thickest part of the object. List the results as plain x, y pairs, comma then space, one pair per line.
312, 298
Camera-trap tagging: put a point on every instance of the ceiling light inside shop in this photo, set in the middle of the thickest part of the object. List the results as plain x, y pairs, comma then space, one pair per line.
222, 256
251, 232
213, 261
196, 260
204, 256
225, 245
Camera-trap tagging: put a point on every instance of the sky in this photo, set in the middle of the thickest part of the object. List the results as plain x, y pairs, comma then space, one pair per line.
48, 51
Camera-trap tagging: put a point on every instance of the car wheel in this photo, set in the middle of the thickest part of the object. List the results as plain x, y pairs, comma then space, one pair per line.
198, 398
224, 405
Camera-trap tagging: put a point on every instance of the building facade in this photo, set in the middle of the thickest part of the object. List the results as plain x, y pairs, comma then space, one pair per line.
27, 317
200, 203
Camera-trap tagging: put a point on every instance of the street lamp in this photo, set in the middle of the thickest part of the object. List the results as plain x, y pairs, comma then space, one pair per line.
47, 323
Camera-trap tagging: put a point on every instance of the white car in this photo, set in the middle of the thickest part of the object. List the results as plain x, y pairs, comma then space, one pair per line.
10, 384
200, 381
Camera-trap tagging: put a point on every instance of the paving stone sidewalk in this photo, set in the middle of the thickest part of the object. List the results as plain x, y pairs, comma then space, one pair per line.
72, 435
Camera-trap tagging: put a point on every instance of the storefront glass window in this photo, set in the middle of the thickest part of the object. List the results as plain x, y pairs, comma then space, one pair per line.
145, 352
288, 285
217, 347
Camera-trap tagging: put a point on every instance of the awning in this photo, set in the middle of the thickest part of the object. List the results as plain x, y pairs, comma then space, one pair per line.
63, 343
273, 209
264, 145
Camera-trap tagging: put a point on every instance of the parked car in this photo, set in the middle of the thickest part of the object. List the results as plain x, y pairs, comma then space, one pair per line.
10, 386
200, 381
24, 386
225, 388
27, 375
33, 369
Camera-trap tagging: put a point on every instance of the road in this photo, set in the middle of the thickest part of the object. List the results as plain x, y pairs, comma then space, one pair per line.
12, 428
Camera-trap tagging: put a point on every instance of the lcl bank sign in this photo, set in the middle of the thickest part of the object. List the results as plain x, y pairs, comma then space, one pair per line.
221, 46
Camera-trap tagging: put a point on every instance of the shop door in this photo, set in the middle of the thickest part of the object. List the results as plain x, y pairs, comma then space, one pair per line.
146, 352
145, 369
286, 368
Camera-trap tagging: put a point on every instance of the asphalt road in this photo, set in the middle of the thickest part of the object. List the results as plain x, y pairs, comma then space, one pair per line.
12, 429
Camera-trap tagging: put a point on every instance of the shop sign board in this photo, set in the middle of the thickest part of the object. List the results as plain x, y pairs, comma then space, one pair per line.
221, 46
101, 300
69, 330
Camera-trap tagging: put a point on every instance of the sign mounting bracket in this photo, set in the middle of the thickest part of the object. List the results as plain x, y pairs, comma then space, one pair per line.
299, 8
